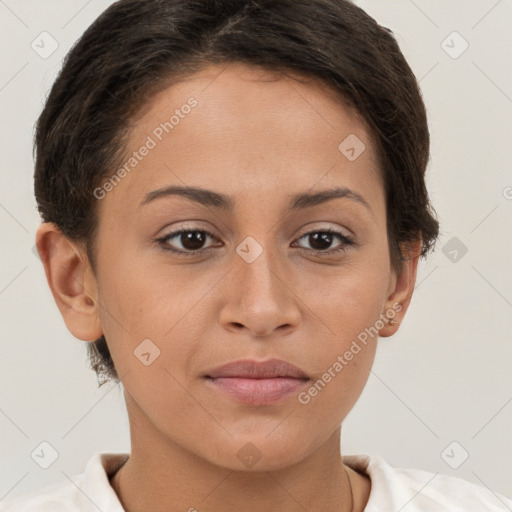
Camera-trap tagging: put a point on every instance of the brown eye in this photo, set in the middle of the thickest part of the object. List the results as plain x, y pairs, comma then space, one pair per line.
321, 241
188, 241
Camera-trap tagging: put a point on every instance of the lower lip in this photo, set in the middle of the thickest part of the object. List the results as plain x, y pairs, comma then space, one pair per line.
258, 391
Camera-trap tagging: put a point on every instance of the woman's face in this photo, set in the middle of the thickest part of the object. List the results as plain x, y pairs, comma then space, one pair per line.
266, 283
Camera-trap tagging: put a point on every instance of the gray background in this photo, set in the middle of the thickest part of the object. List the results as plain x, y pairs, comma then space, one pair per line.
445, 377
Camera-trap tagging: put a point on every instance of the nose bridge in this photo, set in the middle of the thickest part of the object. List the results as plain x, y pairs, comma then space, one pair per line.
259, 270
260, 298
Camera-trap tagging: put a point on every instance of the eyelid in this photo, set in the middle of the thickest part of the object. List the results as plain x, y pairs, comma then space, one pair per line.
336, 230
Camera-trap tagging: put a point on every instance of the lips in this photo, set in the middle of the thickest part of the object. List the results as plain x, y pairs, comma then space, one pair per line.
250, 369
257, 382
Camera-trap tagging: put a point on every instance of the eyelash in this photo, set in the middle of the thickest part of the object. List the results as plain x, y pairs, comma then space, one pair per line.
346, 241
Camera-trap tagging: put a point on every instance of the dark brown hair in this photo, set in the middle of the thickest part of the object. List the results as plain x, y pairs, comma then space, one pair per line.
136, 48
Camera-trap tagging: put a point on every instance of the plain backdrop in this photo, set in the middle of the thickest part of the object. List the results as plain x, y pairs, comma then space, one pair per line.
441, 388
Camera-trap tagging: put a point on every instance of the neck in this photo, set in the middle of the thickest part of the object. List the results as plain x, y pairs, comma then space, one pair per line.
160, 475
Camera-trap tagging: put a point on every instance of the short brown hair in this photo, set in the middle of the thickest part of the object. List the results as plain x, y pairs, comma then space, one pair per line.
136, 48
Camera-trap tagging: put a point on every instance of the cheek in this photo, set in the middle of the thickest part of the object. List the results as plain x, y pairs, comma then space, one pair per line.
151, 320
349, 298
348, 318
348, 305
345, 334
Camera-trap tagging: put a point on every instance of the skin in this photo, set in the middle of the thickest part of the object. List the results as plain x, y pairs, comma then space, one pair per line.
258, 137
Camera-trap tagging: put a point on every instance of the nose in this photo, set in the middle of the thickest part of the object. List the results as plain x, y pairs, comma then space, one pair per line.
259, 298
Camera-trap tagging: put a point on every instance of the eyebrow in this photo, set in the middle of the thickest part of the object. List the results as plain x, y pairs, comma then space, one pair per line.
218, 200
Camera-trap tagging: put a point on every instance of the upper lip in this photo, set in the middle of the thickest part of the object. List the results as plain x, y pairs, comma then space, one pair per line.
251, 369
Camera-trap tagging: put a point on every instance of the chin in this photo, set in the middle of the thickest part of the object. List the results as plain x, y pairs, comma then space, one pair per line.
258, 453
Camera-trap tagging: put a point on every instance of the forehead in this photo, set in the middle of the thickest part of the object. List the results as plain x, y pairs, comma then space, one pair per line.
235, 95
245, 129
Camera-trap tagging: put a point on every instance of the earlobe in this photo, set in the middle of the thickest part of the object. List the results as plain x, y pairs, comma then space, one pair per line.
400, 297
71, 282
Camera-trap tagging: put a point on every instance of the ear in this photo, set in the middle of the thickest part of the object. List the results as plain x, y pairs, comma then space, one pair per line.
401, 290
71, 282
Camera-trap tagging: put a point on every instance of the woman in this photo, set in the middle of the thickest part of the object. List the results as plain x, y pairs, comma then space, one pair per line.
234, 204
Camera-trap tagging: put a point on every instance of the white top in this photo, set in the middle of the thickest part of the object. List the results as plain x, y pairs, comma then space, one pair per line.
393, 489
